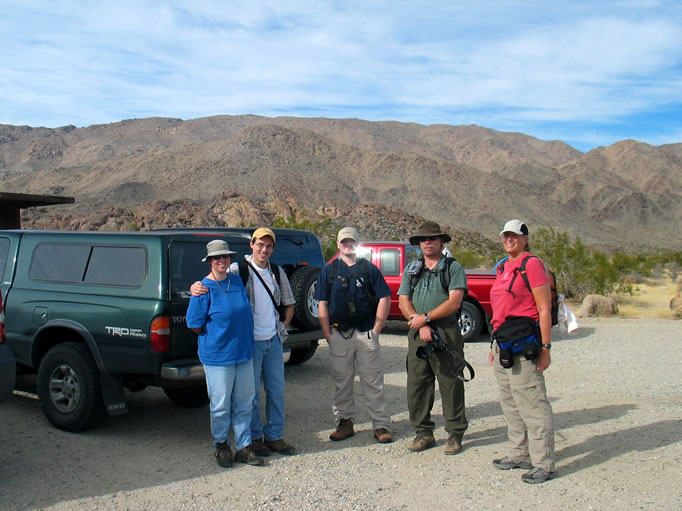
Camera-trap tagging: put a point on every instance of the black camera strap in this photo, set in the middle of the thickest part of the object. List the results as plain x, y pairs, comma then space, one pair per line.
456, 372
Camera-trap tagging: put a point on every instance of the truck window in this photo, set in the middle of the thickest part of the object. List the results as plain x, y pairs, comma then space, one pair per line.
390, 262
117, 266
113, 266
186, 266
412, 254
59, 263
4, 250
292, 249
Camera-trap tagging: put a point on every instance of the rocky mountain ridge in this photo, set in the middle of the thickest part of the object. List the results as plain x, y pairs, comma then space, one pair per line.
471, 178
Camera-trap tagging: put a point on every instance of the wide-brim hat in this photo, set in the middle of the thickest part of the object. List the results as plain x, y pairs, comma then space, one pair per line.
216, 248
516, 226
428, 230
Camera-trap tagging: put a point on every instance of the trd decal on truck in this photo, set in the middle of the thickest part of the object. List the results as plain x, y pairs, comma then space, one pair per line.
121, 331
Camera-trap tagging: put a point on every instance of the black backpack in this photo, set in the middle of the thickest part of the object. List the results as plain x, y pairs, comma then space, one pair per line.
444, 276
552, 284
360, 270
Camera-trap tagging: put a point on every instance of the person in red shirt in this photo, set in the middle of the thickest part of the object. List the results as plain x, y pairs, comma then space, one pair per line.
523, 395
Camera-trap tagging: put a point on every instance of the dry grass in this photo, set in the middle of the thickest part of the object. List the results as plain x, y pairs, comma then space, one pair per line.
651, 301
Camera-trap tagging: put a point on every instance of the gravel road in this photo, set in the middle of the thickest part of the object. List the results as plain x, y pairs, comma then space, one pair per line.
615, 388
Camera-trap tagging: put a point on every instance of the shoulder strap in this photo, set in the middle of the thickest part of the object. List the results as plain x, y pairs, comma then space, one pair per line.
445, 274
522, 271
278, 276
243, 271
264, 284
414, 279
333, 273
363, 267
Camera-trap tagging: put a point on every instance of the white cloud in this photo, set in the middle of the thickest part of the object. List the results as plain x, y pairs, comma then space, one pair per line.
496, 63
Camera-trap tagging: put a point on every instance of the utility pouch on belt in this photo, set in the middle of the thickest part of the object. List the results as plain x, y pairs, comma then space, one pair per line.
515, 336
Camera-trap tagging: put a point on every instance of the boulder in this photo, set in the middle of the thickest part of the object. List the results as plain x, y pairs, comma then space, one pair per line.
598, 305
676, 305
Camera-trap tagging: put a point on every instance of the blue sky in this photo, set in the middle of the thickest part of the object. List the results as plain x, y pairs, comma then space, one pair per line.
589, 73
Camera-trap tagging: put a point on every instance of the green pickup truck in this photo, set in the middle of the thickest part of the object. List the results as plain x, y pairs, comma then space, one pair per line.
95, 313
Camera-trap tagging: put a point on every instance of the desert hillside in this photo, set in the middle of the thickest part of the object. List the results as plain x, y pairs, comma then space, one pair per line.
381, 175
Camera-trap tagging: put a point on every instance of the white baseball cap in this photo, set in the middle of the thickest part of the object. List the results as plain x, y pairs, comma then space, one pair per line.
516, 226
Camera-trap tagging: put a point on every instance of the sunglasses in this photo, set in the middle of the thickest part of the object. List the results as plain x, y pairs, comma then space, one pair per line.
215, 258
429, 238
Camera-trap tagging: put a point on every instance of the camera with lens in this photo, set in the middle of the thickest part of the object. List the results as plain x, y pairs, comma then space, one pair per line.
437, 344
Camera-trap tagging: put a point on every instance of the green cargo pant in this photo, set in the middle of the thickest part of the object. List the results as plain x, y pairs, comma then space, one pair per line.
421, 384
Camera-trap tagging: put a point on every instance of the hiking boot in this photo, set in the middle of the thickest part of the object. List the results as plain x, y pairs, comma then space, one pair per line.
223, 454
343, 430
507, 463
247, 456
536, 476
259, 447
421, 443
453, 445
383, 436
280, 447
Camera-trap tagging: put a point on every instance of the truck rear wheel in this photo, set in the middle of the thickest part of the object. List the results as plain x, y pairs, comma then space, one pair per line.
470, 322
69, 388
303, 284
302, 353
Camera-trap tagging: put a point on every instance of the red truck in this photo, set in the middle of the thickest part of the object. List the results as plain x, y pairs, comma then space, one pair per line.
391, 257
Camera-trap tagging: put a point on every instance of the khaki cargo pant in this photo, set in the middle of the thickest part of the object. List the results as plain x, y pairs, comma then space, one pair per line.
360, 352
523, 397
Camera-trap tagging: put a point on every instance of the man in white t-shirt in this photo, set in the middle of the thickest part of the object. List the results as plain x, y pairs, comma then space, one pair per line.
270, 331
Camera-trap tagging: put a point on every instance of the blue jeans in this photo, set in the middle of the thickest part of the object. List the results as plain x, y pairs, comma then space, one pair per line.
231, 391
268, 365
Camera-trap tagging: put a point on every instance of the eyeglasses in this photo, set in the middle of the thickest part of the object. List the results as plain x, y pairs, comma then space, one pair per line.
266, 246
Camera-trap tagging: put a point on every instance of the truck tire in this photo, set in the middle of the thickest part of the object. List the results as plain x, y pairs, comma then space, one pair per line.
190, 397
470, 322
302, 353
303, 283
69, 388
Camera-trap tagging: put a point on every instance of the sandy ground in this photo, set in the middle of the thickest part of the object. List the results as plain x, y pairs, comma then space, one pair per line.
615, 388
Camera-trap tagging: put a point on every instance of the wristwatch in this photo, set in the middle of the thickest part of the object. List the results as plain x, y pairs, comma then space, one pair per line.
427, 318
547, 346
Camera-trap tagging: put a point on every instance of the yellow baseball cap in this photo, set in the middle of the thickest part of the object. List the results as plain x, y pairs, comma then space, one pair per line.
261, 232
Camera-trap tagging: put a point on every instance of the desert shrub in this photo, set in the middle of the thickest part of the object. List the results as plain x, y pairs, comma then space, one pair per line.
468, 258
583, 270
324, 229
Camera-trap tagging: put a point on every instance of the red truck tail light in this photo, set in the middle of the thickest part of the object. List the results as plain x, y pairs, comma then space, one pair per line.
160, 329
